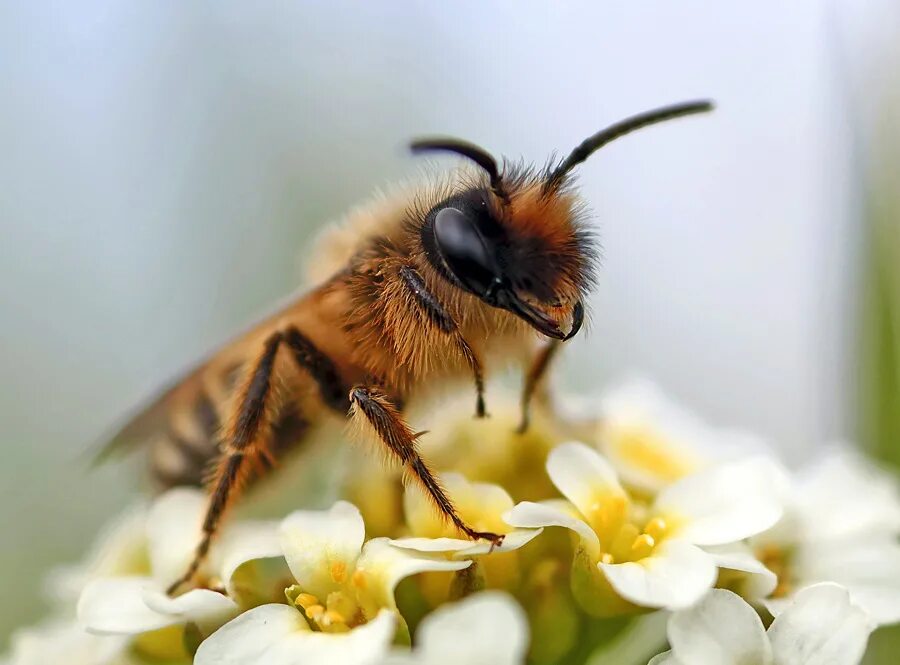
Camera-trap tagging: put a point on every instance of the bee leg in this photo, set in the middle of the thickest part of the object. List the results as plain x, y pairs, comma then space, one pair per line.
439, 317
536, 372
246, 440
374, 410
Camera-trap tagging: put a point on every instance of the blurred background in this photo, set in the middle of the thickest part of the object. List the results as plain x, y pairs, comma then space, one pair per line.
165, 166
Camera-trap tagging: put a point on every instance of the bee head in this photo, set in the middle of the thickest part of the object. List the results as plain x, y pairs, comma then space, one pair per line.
518, 242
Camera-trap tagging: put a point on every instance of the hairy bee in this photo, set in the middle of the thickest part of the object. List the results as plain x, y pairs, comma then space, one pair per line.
432, 281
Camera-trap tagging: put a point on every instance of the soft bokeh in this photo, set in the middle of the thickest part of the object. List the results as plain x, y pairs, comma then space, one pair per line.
164, 167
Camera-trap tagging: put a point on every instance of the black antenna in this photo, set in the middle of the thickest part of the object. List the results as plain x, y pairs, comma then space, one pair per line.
469, 150
604, 136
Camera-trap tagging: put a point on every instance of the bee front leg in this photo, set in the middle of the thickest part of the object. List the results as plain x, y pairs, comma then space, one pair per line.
536, 372
437, 315
371, 409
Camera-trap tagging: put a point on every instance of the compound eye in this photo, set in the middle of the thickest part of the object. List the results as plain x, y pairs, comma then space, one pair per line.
464, 250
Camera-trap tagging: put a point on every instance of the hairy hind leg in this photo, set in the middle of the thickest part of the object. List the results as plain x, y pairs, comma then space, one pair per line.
246, 441
371, 408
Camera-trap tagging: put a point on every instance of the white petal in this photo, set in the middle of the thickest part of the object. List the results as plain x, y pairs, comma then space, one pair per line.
260, 635
845, 495
173, 530
115, 606
383, 566
759, 582
726, 503
462, 548
320, 545
119, 550
278, 635
66, 642
493, 625
649, 439
869, 570
245, 542
433, 545
511, 541
528, 514
675, 576
208, 609
720, 630
582, 475
821, 626
665, 658
132, 605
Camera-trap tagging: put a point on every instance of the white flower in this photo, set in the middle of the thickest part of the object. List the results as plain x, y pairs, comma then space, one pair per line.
344, 589
119, 549
820, 627
652, 441
130, 604
57, 640
841, 525
481, 506
651, 555
487, 628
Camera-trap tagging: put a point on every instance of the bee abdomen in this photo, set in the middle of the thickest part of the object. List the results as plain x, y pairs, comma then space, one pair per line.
185, 453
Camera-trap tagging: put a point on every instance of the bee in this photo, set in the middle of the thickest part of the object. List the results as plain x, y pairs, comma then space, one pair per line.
430, 282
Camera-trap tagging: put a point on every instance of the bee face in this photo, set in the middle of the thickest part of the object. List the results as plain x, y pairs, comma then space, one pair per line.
516, 242
482, 244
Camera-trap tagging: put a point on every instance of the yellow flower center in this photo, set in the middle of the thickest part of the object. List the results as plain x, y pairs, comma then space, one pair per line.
623, 540
644, 449
337, 613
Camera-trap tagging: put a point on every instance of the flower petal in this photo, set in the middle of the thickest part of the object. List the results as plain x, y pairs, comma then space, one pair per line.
845, 495
582, 475
665, 658
433, 545
676, 575
173, 530
726, 503
720, 630
821, 626
260, 635
119, 606
869, 570
649, 439
759, 581
66, 641
278, 635
511, 541
528, 514
494, 627
208, 609
382, 566
321, 546
244, 543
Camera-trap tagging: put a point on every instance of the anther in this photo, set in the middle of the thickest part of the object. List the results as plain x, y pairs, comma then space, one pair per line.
306, 600
642, 546
656, 528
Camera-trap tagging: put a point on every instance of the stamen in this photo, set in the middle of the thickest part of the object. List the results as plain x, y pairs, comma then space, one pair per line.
359, 579
656, 528
331, 617
314, 612
606, 557
642, 546
306, 600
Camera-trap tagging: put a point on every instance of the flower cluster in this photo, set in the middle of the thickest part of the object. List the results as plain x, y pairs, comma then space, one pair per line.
630, 527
